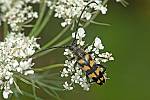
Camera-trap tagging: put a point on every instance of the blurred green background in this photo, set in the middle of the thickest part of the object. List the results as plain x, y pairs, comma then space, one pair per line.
128, 39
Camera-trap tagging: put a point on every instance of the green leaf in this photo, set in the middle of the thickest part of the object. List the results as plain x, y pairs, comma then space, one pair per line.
16, 94
31, 95
49, 50
5, 29
53, 82
34, 90
25, 81
98, 23
45, 74
17, 87
49, 86
38, 22
54, 94
48, 67
124, 3
48, 44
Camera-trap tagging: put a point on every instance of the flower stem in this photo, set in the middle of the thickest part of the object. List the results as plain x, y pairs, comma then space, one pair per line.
25, 80
5, 29
105, 1
34, 90
49, 50
55, 39
99, 23
17, 87
46, 19
42, 10
47, 67
89, 22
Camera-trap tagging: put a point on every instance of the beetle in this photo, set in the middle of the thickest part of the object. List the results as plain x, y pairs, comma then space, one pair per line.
87, 64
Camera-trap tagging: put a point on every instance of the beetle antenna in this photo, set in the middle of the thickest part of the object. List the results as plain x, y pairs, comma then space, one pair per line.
66, 46
79, 19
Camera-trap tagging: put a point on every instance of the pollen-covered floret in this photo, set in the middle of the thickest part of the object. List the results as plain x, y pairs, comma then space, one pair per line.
74, 71
15, 56
70, 10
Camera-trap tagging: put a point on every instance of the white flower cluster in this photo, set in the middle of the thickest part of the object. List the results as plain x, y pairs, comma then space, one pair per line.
70, 10
79, 36
97, 55
48, 3
15, 54
77, 76
17, 13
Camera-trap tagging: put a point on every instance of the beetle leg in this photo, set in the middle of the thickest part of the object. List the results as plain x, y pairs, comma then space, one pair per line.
102, 67
86, 46
72, 58
91, 52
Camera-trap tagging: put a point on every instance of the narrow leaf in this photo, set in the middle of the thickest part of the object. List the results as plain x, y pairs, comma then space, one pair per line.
51, 94
17, 87
48, 67
31, 95
34, 90
26, 81
98, 23
49, 86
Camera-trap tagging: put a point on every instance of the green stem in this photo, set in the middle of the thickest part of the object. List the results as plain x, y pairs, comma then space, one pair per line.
48, 67
5, 29
46, 19
93, 17
55, 39
25, 80
47, 51
17, 87
124, 3
42, 11
34, 90
105, 1
99, 23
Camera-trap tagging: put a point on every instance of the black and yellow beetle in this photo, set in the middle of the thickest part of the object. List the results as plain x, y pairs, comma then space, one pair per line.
88, 65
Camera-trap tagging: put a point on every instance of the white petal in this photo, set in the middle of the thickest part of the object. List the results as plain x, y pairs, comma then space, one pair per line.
29, 72
88, 16
103, 9
81, 32
63, 24
6, 93
82, 43
73, 35
98, 43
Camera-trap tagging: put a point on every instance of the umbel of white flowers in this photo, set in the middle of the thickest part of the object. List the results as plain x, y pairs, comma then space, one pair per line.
15, 54
18, 13
76, 75
70, 10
